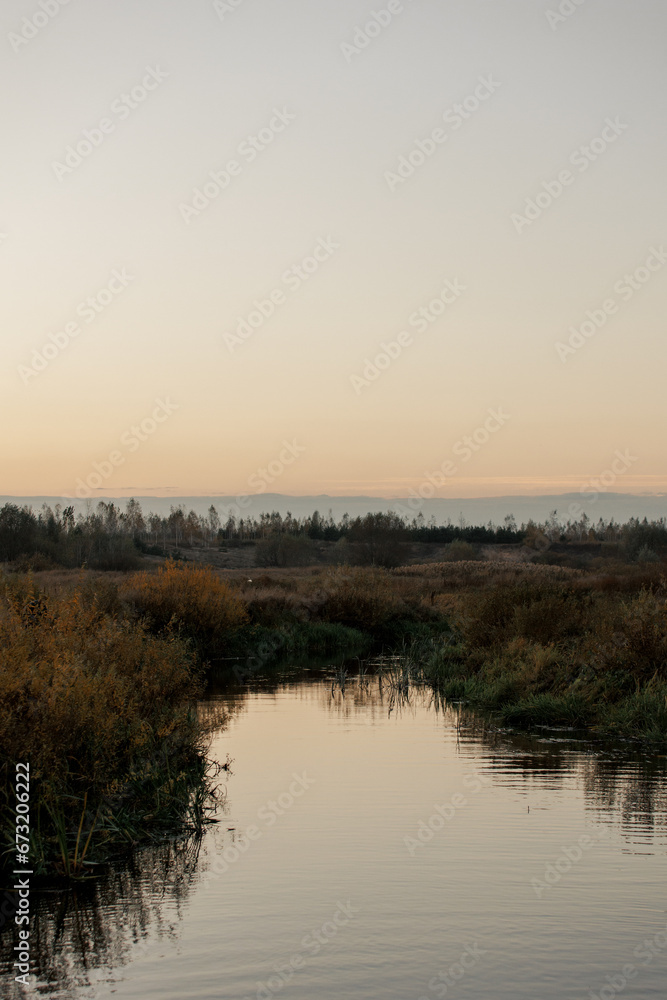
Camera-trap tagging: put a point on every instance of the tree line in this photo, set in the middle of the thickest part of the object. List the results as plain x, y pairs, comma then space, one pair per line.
105, 536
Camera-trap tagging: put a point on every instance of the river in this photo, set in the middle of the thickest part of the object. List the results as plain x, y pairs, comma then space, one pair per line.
382, 848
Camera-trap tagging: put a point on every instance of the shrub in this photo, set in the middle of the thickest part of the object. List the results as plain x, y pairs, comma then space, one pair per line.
272, 606
192, 596
543, 615
647, 555
459, 551
630, 634
79, 689
360, 597
99, 707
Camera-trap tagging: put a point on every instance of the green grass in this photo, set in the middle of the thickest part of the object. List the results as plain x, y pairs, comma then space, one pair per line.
553, 656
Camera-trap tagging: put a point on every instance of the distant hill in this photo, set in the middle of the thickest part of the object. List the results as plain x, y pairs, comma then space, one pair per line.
480, 510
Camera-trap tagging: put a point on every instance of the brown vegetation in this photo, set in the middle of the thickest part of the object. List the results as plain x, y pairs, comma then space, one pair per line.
192, 595
100, 708
99, 671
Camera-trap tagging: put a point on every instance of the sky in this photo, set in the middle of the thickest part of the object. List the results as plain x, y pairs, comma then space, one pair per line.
332, 247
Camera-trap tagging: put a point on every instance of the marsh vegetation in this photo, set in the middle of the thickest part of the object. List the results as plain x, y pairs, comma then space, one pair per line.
100, 672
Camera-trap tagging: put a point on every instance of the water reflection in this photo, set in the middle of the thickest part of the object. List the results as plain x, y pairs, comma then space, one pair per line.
99, 925
86, 933
622, 783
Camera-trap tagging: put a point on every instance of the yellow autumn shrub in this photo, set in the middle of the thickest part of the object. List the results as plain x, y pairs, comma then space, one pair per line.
83, 696
194, 596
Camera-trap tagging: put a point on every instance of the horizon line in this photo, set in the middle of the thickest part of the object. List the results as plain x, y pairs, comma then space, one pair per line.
316, 496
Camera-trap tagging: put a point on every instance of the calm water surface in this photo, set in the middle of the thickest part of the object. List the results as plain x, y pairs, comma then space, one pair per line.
370, 850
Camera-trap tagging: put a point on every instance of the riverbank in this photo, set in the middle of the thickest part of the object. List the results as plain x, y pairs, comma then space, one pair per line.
100, 675
100, 672
569, 654
104, 713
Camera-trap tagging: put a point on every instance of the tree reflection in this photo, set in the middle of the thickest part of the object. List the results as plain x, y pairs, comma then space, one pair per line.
82, 930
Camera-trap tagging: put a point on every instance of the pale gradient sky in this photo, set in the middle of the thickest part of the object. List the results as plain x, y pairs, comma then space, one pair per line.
324, 177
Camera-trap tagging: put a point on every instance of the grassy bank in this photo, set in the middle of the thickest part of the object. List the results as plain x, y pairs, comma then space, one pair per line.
313, 612
558, 654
